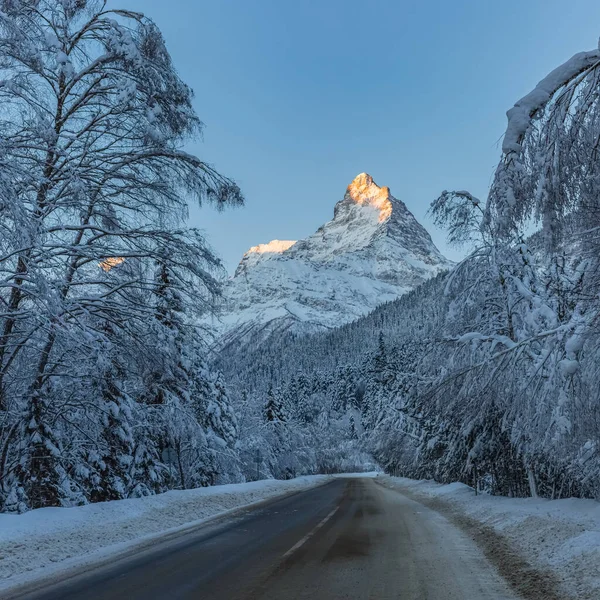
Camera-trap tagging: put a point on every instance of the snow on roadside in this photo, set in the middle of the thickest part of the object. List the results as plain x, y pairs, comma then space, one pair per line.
365, 475
43, 542
559, 536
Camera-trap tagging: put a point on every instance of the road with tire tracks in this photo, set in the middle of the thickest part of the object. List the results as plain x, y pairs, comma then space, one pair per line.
349, 539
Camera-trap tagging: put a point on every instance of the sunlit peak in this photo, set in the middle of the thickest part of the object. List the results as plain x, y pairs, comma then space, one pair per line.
274, 246
363, 190
110, 263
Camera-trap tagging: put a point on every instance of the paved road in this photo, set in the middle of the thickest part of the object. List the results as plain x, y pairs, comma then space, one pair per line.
350, 539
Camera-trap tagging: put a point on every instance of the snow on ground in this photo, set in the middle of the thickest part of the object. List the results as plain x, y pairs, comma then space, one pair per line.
557, 536
44, 542
367, 474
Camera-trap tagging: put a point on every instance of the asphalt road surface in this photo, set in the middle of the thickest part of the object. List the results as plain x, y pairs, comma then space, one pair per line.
349, 539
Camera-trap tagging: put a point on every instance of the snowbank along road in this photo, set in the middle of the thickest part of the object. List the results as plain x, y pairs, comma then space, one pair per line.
349, 539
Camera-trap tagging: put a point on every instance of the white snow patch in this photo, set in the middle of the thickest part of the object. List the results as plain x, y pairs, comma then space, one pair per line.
368, 475
521, 114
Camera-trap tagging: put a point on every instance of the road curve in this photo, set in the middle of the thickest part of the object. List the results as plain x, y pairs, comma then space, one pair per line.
349, 539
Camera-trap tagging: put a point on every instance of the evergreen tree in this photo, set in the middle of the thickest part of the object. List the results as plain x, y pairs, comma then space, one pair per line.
116, 459
273, 408
353, 433
37, 477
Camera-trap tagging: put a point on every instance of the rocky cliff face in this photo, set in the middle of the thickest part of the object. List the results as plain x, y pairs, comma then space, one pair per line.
372, 251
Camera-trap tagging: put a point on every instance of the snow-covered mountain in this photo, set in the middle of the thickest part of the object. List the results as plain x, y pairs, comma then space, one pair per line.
372, 251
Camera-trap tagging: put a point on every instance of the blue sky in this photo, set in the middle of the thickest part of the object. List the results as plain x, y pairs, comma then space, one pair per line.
299, 96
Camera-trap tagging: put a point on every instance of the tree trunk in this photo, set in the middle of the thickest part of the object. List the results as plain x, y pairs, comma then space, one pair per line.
533, 491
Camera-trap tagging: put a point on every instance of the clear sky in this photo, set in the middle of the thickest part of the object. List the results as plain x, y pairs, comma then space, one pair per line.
299, 96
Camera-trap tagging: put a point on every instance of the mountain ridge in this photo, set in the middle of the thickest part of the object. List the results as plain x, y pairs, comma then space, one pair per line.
372, 251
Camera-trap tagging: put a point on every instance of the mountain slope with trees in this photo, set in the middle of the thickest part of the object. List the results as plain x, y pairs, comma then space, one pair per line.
372, 251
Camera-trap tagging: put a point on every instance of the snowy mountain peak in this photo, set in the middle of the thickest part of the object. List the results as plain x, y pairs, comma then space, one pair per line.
262, 252
363, 190
274, 246
372, 251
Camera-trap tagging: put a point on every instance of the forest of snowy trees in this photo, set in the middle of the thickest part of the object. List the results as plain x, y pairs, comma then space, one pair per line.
104, 391
487, 374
